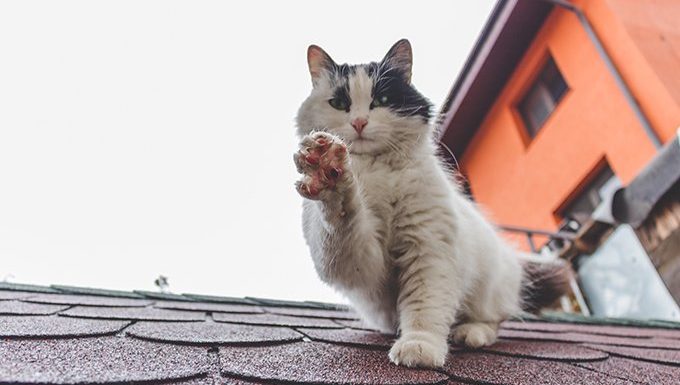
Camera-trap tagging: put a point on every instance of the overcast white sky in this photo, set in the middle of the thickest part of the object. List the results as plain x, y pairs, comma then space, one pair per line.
140, 138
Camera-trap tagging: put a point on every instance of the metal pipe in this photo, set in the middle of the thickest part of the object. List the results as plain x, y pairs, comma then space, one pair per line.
578, 295
557, 235
627, 93
530, 239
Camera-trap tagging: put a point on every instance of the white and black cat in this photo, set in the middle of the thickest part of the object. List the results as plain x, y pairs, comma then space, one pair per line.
388, 227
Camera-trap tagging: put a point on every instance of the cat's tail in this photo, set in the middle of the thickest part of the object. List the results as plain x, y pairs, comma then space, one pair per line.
543, 282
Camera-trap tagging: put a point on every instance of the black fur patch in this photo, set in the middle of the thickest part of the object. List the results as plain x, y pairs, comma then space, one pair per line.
402, 97
342, 92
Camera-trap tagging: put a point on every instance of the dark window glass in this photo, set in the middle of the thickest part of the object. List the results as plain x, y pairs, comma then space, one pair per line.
543, 96
582, 207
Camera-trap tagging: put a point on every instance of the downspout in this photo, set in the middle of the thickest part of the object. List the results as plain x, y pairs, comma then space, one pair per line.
644, 121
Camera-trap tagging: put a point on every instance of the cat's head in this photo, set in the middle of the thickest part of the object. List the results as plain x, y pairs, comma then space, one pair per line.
373, 107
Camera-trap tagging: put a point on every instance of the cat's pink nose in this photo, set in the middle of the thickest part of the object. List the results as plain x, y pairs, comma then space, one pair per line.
359, 124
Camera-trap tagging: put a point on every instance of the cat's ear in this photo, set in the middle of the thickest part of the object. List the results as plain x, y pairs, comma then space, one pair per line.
400, 57
318, 61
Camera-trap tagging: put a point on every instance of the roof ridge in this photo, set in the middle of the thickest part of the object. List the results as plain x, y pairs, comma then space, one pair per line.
573, 318
146, 294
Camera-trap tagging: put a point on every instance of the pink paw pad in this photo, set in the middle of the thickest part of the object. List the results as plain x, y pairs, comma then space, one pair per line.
324, 164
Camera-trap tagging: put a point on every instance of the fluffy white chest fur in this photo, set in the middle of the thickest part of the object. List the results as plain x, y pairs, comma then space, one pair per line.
385, 224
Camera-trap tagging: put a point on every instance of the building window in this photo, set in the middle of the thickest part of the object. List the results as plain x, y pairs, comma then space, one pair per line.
581, 208
543, 96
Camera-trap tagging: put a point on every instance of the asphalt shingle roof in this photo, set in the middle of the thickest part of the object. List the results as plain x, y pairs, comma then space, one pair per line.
66, 335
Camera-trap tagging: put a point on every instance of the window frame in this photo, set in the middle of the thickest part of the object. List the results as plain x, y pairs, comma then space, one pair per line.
585, 184
528, 85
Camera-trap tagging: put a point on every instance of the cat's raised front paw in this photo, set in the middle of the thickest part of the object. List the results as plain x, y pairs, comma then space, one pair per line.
419, 349
322, 159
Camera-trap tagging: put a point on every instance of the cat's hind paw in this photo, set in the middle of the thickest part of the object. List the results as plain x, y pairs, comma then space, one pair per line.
322, 159
419, 349
476, 334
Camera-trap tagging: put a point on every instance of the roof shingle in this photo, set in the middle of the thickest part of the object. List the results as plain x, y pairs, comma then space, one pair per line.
133, 313
24, 308
105, 359
212, 333
495, 369
57, 327
87, 300
276, 320
320, 363
211, 307
80, 335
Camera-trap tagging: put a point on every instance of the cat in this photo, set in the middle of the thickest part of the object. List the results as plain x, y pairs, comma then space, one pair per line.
386, 224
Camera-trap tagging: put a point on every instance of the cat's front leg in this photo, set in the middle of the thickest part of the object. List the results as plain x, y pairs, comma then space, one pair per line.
427, 304
340, 231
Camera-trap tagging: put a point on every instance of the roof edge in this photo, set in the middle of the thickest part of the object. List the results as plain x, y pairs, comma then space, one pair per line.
470, 61
509, 31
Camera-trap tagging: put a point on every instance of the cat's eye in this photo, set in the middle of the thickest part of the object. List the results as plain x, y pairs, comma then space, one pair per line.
339, 104
379, 101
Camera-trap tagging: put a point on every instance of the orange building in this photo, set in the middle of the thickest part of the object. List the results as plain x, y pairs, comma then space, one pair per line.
562, 100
